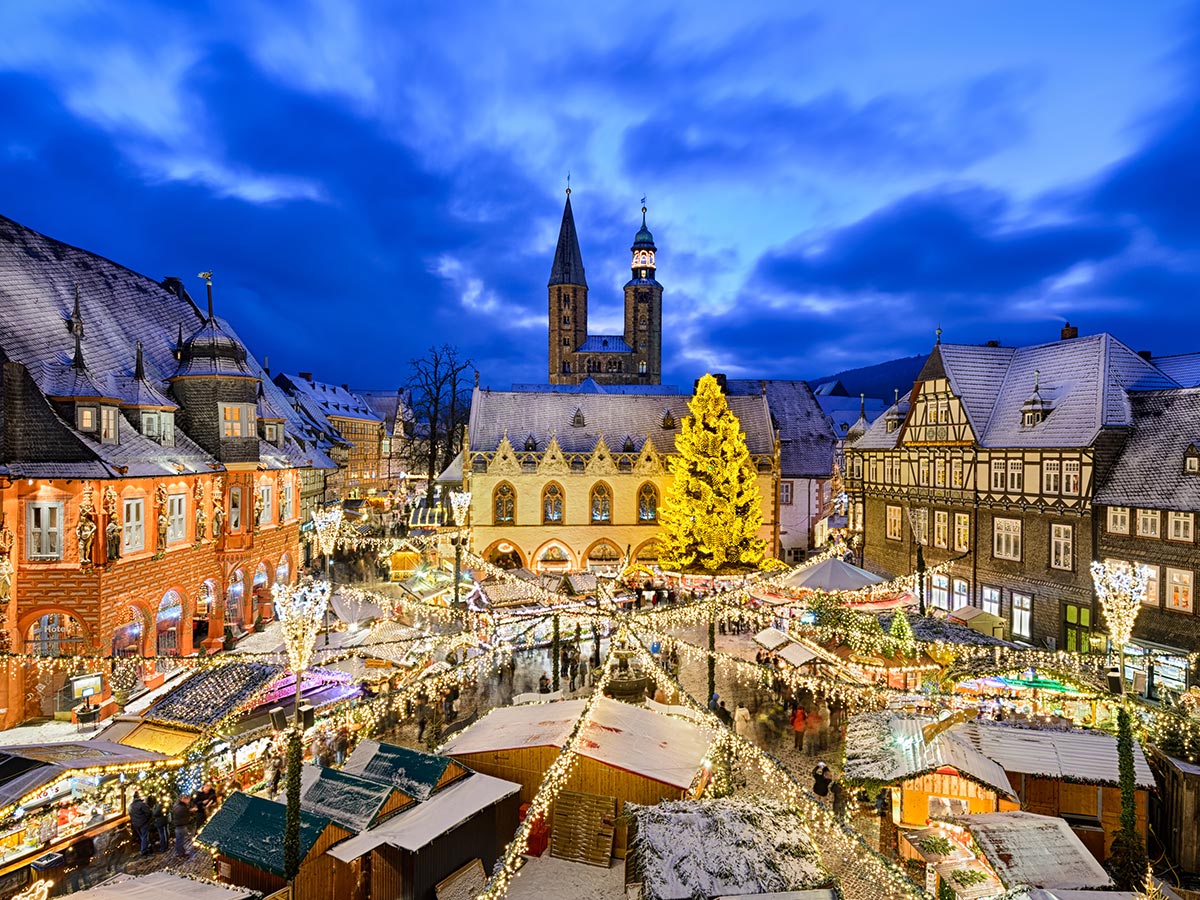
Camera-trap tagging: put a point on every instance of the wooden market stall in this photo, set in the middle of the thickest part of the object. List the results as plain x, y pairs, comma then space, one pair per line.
1177, 811
627, 754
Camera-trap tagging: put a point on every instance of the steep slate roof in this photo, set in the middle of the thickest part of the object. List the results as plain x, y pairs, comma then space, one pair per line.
118, 308
390, 406
589, 385
1086, 381
331, 399
1149, 471
806, 437
1183, 367
517, 414
605, 343
877, 437
843, 411
568, 261
250, 829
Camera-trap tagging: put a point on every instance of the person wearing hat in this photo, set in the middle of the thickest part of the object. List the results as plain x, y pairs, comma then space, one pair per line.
821, 780
713, 705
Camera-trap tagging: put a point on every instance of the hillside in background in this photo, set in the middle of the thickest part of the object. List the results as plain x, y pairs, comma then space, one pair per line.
879, 380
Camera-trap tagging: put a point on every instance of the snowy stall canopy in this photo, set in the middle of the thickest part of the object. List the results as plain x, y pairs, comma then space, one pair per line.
249, 829
633, 738
349, 801
832, 575
771, 638
683, 849
797, 655
891, 747
1039, 851
352, 609
25, 769
415, 773
214, 693
536, 697
421, 824
163, 886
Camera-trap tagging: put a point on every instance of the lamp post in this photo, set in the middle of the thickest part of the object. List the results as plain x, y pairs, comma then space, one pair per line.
327, 523
1121, 588
460, 505
300, 610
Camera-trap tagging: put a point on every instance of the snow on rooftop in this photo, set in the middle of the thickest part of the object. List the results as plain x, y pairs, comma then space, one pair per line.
1039, 851
163, 886
705, 848
634, 738
418, 825
771, 638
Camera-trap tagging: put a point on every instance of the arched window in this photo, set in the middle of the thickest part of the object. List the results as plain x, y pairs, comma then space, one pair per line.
601, 503
642, 367
504, 504
552, 504
648, 503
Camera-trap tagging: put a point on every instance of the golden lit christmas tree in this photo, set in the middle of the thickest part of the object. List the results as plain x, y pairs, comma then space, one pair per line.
713, 510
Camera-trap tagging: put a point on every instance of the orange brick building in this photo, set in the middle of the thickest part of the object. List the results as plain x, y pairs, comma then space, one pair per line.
149, 472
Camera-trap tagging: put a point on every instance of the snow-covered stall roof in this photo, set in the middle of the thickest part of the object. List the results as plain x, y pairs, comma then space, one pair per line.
1039, 851
1087, 756
414, 772
796, 655
418, 825
163, 886
891, 747
25, 769
706, 848
771, 638
634, 738
347, 800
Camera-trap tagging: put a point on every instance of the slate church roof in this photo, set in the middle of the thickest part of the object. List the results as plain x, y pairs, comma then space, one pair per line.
806, 436
568, 261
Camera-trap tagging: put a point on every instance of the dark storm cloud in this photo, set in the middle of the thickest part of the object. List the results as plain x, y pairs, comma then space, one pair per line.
722, 137
947, 242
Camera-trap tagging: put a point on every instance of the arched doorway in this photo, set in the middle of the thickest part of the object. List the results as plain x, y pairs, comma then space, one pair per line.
168, 624
283, 571
647, 554
47, 687
235, 602
260, 594
203, 612
127, 637
504, 555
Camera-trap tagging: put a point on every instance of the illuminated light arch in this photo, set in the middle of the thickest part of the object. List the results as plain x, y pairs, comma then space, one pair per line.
503, 550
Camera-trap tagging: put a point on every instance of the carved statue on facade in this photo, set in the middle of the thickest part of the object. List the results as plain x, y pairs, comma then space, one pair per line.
85, 534
164, 520
259, 506
112, 529
218, 518
201, 524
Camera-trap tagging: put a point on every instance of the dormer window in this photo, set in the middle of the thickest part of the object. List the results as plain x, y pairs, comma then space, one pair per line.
891, 423
577, 420
668, 420
271, 432
1035, 409
237, 420
166, 429
85, 418
108, 424
530, 444
627, 447
1191, 461
150, 425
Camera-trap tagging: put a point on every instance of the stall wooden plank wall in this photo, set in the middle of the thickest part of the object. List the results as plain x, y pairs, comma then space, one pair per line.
321, 876
915, 794
528, 766
1178, 810
1050, 797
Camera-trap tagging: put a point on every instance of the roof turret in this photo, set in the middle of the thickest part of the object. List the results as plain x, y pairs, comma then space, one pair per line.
211, 350
568, 261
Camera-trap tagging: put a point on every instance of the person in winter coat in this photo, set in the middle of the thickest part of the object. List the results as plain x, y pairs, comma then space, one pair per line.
724, 714
742, 723
712, 703
821, 780
181, 818
160, 823
838, 790
141, 817
799, 727
79, 857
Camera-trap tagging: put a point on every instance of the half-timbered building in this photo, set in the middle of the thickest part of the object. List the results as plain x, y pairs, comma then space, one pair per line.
989, 464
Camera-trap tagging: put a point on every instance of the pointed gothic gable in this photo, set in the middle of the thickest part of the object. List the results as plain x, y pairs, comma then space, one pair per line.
553, 462
934, 367
649, 462
936, 416
505, 460
601, 461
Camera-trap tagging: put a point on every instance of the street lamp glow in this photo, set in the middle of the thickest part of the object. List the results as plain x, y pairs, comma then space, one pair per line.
300, 610
460, 504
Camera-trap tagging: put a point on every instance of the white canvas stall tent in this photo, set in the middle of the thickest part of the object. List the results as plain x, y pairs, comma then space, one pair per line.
1039, 851
797, 655
832, 575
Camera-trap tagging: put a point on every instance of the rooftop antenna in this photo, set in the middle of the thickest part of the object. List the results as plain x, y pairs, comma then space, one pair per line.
1036, 378
207, 276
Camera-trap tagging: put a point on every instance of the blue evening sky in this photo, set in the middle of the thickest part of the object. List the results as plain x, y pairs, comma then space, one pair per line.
826, 182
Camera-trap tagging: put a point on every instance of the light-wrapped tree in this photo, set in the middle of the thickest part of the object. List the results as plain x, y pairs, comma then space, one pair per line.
713, 509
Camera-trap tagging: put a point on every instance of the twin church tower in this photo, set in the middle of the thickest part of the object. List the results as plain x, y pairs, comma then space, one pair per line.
634, 357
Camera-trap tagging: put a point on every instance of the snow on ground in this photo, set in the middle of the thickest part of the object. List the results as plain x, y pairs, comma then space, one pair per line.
562, 879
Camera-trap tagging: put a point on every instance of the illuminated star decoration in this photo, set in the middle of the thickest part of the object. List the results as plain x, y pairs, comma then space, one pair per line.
300, 610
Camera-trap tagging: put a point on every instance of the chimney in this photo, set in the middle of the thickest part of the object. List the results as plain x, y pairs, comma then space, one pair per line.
992, 344
1145, 354
1069, 331
267, 366
174, 285
346, 388
307, 376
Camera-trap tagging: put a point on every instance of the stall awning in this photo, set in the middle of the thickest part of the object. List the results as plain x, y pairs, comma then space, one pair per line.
160, 739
